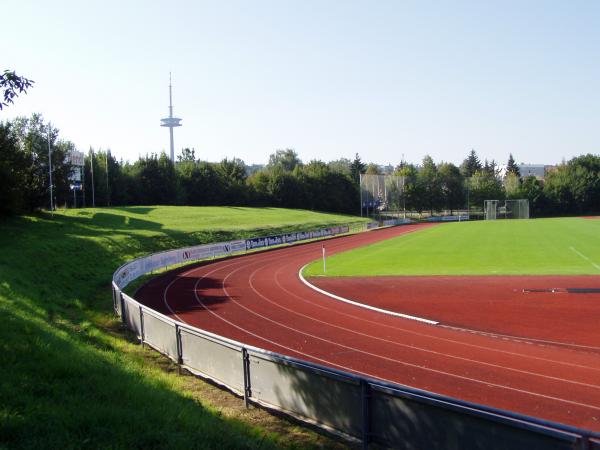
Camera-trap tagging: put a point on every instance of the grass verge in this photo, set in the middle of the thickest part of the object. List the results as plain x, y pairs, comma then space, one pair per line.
563, 246
72, 377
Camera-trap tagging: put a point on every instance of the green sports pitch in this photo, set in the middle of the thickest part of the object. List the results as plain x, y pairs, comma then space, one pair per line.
563, 246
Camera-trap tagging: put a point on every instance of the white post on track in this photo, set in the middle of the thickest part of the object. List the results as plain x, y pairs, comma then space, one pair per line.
324, 260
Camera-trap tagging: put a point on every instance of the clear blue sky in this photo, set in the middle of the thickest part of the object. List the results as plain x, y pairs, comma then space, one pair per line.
327, 78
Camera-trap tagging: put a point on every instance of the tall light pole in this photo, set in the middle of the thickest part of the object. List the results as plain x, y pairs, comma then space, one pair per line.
50, 167
92, 173
171, 122
107, 191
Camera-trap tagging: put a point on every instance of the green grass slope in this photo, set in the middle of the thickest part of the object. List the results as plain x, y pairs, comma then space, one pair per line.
71, 377
569, 246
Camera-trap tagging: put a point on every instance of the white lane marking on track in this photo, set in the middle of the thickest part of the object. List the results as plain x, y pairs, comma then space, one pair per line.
413, 347
362, 305
577, 252
337, 365
474, 380
395, 328
441, 339
522, 339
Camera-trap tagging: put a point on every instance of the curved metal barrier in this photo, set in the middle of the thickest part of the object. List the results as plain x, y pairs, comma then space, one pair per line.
358, 407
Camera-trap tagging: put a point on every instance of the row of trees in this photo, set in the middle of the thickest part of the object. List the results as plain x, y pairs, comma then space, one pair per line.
573, 188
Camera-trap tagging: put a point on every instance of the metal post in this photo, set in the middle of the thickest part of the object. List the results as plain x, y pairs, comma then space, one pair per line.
92, 173
122, 308
141, 327
360, 193
83, 181
179, 348
114, 295
107, 191
50, 167
247, 388
366, 413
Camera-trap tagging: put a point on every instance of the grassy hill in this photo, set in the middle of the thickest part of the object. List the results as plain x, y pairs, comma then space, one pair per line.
568, 246
72, 377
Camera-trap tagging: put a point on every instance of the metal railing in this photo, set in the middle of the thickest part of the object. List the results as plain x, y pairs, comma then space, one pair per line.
357, 407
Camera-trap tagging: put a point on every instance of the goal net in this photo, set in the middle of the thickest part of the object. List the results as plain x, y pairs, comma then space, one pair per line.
381, 193
490, 209
512, 209
517, 209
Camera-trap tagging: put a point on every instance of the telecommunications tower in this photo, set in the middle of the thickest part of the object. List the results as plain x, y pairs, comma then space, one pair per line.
171, 121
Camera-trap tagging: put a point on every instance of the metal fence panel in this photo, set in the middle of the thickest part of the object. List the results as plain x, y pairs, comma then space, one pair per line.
409, 422
132, 315
160, 334
218, 361
327, 399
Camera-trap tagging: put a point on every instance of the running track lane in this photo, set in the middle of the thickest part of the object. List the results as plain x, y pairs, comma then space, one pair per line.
258, 299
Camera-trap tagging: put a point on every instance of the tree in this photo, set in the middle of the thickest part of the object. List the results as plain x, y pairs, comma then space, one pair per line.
13, 166
413, 189
12, 85
575, 186
187, 155
285, 159
511, 166
483, 186
470, 165
342, 165
428, 179
357, 168
233, 176
372, 169
32, 136
452, 185
512, 186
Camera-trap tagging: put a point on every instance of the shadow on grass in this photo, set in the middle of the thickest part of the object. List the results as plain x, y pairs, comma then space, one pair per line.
58, 393
65, 381
68, 379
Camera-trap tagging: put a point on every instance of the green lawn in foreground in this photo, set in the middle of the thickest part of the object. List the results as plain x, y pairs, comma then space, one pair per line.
507, 247
70, 376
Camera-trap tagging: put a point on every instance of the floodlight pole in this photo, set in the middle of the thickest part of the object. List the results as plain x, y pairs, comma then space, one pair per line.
50, 168
107, 191
360, 191
92, 173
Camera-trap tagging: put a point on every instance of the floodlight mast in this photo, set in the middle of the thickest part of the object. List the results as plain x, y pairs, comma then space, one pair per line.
171, 122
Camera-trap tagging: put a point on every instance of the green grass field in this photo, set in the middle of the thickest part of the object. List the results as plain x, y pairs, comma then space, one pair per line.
72, 377
569, 246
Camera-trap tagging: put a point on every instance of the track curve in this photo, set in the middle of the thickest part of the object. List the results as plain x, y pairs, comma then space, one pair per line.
258, 299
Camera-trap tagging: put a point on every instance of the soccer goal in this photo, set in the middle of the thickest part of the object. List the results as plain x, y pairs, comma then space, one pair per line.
490, 209
512, 209
517, 209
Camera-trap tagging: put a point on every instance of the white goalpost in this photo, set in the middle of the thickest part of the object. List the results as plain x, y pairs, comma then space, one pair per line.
490, 209
512, 209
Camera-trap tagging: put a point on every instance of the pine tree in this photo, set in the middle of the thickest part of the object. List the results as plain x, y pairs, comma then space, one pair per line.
511, 166
356, 168
470, 165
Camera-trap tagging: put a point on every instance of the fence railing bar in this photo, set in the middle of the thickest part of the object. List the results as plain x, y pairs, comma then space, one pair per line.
247, 387
366, 413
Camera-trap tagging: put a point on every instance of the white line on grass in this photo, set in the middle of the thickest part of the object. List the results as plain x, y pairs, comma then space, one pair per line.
585, 257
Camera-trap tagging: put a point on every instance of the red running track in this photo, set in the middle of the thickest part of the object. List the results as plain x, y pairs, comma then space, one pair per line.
258, 299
